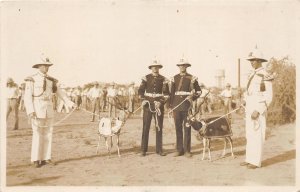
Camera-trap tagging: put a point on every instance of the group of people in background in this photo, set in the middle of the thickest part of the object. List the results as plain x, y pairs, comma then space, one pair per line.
100, 97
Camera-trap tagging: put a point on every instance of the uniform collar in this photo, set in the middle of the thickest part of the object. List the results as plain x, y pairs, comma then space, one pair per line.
258, 69
255, 71
42, 74
183, 74
155, 75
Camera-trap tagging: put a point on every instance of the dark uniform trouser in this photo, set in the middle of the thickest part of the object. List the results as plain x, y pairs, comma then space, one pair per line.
112, 111
78, 100
96, 104
182, 144
103, 103
147, 117
54, 101
12, 104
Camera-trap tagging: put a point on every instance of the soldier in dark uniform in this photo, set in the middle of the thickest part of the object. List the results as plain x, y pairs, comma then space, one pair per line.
104, 99
183, 86
154, 89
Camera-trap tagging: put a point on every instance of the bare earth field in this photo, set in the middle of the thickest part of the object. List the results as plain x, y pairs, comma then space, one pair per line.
74, 151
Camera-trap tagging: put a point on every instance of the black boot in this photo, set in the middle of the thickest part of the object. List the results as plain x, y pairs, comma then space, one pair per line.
37, 164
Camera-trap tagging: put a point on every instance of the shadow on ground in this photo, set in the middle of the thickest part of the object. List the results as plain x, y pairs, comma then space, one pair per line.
288, 155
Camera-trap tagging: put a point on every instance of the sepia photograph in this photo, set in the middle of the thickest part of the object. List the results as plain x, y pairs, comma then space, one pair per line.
149, 95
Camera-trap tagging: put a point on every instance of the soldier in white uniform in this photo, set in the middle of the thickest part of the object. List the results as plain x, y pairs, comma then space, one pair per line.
112, 93
77, 95
227, 98
131, 94
84, 97
39, 108
201, 103
12, 101
21, 98
61, 107
258, 97
95, 94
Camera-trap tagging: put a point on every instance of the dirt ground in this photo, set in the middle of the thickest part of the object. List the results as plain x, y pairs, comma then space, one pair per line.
74, 151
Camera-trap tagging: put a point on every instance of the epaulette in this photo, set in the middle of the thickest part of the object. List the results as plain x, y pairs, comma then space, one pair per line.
194, 78
166, 81
52, 79
189, 76
144, 78
29, 79
172, 79
266, 76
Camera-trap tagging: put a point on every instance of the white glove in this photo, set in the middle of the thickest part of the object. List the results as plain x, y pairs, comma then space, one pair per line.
254, 115
189, 98
203, 123
157, 104
144, 102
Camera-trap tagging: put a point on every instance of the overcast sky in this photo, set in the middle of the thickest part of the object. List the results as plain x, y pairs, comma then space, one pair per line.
117, 40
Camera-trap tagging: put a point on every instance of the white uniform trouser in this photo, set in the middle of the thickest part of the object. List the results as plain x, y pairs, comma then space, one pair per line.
42, 129
130, 103
227, 106
255, 138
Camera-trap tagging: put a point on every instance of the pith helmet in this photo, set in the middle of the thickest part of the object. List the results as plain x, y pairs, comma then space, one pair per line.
45, 61
256, 55
183, 61
155, 63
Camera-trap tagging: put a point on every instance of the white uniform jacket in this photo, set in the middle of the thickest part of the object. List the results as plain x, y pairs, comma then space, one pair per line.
258, 97
259, 91
38, 100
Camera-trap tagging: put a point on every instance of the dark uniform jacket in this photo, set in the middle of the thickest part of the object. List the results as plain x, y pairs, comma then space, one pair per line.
183, 86
154, 88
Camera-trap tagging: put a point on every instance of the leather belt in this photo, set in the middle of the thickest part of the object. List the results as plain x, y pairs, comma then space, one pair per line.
154, 95
44, 98
182, 93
